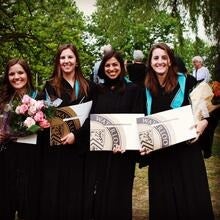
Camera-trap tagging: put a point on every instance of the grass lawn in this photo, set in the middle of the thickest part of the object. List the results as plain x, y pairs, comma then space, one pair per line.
140, 194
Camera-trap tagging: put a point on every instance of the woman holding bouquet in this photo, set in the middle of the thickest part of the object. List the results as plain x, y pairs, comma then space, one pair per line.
63, 164
178, 185
20, 162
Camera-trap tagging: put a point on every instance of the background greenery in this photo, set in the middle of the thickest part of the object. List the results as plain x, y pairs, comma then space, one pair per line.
33, 30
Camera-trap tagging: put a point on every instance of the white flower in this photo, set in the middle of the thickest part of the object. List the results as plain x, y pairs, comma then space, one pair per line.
32, 110
29, 122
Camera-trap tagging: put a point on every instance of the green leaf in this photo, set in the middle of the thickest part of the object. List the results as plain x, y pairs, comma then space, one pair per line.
33, 128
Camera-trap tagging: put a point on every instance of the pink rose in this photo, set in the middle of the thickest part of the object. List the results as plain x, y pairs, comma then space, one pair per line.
39, 104
29, 122
23, 109
32, 102
26, 99
32, 110
44, 124
39, 116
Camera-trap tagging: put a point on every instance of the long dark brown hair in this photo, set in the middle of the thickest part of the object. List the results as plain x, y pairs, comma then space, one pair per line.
56, 78
151, 81
7, 90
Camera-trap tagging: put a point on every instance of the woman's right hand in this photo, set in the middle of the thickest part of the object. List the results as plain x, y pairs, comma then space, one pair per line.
144, 151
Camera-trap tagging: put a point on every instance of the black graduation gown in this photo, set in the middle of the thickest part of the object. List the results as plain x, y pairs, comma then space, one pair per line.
62, 173
21, 165
178, 185
3, 194
137, 73
207, 137
109, 177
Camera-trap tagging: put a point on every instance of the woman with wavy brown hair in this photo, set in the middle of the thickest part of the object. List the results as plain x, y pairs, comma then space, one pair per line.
20, 162
63, 165
178, 184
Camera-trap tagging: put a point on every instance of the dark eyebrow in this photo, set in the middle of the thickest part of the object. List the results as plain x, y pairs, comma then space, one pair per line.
156, 56
13, 72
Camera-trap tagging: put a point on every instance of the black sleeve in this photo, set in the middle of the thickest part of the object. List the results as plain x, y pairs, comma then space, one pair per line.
82, 135
207, 137
139, 104
47, 88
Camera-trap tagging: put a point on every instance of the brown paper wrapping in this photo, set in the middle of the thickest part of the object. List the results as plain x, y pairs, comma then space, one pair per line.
201, 97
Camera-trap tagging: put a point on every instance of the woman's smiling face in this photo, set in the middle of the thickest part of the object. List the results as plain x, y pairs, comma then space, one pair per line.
17, 77
160, 61
112, 68
67, 61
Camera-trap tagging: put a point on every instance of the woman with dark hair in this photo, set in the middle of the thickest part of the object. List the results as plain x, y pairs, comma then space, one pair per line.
9, 87
63, 165
20, 161
109, 175
178, 184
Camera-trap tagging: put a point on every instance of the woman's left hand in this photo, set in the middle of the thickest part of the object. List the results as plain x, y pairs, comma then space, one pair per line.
200, 127
68, 139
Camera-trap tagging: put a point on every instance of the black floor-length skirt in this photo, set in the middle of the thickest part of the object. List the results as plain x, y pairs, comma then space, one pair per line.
178, 184
4, 213
22, 170
108, 185
62, 183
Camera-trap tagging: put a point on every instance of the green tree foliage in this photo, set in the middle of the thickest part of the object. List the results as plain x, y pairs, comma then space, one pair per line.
34, 29
191, 11
131, 24
137, 24
209, 10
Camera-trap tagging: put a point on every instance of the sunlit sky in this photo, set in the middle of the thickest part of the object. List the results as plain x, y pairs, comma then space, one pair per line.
86, 6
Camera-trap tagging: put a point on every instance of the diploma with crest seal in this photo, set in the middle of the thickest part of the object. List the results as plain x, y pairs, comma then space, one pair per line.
68, 119
110, 130
166, 128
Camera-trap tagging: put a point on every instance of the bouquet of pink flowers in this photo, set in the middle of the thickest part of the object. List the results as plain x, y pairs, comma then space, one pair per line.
29, 115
